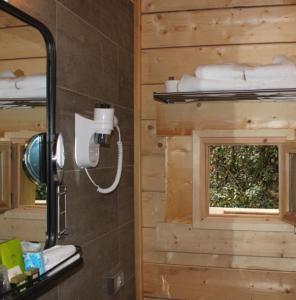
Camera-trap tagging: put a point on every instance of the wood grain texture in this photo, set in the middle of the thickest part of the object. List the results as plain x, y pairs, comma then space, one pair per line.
151, 144
159, 64
179, 180
150, 253
182, 282
181, 119
148, 111
28, 119
149, 6
7, 20
214, 27
222, 261
153, 173
153, 208
21, 42
185, 238
24, 66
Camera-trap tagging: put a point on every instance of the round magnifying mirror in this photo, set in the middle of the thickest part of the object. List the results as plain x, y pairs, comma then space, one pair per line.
34, 162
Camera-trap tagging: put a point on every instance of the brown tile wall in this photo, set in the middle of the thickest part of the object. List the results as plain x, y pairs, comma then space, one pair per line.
94, 63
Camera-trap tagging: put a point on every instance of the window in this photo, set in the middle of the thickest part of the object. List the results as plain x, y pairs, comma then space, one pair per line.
243, 179
240, 179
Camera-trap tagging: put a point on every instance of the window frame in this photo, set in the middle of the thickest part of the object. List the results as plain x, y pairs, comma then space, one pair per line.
201, 216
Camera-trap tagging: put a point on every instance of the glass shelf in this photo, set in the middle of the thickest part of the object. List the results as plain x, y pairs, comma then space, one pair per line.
242, 95
33, 287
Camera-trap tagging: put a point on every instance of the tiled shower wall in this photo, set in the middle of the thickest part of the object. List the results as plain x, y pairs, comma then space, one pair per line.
94, 41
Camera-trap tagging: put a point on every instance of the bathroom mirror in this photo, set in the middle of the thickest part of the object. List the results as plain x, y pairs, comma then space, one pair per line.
27, 91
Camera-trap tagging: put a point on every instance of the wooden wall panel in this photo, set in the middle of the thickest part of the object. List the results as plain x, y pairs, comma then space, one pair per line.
150, 143
159, 64
28, 119
152, 254
181, 119
7, 20
153, 208
181, 282
148, 105
24, 66
208, 264
214, 27
149, 6
153, 173
179, 180
185, 238
21, 42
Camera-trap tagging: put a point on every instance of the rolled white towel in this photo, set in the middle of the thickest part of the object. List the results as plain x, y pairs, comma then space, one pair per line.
192, 84
23, 94
55, 255
279, 71
270, 84
31, 82
220, 72
7, 84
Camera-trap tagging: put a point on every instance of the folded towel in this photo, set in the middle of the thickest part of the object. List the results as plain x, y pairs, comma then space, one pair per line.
31, 82
7, 84
55, 255
271, 84
273, 72
192, 84
222, 71
23, 93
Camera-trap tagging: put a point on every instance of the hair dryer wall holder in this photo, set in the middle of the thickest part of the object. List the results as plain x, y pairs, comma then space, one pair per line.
89, 134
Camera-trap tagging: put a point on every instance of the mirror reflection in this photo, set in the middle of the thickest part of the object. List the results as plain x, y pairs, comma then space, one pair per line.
22, 115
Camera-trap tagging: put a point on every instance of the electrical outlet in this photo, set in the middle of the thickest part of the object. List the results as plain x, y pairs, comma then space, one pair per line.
115, 282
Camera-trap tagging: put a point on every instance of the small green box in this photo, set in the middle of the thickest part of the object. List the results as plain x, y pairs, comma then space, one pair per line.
11, 254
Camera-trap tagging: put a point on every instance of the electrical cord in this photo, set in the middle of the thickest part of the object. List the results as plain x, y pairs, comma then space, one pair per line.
119, 169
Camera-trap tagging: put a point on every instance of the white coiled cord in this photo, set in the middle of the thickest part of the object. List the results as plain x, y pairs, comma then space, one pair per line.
119, 169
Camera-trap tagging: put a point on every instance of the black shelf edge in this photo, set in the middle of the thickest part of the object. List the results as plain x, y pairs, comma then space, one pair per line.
229, 95
34, 287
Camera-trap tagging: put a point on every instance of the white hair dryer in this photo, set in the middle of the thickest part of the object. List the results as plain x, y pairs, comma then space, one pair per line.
90, 134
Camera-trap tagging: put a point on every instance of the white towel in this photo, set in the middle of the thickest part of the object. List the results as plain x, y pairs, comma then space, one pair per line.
271, 84
222, 71
7, 84
192, 84
31, 82
55, 255
23, 93
272, 72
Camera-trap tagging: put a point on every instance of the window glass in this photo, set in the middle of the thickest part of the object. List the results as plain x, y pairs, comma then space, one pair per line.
244, 176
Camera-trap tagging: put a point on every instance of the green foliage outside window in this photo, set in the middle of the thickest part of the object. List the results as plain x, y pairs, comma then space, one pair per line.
244, 176
40, 192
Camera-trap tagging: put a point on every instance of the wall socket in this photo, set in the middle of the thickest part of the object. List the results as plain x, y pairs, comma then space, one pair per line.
115, 282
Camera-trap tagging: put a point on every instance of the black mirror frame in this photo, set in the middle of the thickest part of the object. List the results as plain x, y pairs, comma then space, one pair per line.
51, 233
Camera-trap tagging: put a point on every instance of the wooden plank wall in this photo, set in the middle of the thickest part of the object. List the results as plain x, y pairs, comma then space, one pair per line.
22, 47
179, 261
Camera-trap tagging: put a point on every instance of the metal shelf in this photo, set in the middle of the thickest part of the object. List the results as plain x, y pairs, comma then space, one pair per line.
32, 289
22, 102
242, 95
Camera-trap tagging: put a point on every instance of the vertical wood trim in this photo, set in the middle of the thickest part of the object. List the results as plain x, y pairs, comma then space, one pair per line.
137, 148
